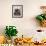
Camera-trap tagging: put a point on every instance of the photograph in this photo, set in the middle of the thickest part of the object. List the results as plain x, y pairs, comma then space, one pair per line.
17, 11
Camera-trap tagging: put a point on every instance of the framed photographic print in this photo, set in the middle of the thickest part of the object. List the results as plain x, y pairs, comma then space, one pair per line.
17, 11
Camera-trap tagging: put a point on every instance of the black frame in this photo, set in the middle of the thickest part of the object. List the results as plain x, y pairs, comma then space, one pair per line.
22, 11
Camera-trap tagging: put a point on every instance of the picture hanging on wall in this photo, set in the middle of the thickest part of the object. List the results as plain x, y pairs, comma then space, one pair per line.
17, 11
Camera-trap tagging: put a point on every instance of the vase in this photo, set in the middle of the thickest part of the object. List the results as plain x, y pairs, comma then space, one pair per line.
13, 38
9, 41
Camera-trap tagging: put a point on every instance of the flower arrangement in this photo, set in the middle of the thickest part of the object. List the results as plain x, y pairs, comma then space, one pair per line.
42, 17
11, 31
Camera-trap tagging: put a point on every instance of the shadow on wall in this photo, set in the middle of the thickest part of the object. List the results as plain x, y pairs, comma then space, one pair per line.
34, 22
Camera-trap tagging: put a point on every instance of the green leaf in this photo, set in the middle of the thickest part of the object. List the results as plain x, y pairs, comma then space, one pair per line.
40, 18
45, 16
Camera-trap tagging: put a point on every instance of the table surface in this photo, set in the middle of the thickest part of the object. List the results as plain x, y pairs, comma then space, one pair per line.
31, 45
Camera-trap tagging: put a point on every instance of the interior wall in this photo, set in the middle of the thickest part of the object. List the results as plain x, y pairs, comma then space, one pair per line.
26, 25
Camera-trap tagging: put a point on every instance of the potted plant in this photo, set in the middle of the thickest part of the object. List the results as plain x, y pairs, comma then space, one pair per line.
10, 31
42, 17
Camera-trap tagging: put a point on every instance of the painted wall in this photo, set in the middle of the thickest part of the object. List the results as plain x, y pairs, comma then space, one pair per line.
26, 25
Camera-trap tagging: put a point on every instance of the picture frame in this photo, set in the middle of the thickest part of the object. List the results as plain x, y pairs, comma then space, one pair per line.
17, 11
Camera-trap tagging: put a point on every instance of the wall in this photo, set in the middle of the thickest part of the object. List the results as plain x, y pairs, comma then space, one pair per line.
26, 25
